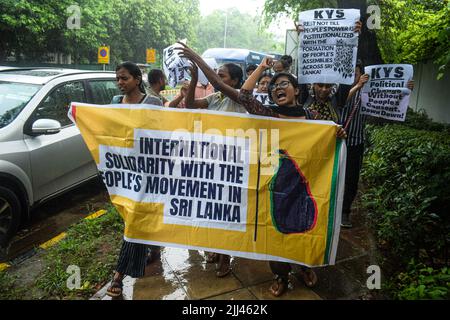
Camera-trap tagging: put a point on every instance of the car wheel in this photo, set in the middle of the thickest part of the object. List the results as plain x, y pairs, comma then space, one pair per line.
10, 209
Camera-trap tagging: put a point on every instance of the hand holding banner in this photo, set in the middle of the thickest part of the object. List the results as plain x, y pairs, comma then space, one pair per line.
201, 179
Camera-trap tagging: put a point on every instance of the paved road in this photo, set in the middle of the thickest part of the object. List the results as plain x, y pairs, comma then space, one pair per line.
56, 215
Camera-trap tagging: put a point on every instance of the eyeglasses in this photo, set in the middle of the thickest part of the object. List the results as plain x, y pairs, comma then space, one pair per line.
281, 85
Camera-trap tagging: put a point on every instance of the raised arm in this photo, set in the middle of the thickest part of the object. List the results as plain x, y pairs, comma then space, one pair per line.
250, 83
213, 78
180, 96
362, 80
191, 102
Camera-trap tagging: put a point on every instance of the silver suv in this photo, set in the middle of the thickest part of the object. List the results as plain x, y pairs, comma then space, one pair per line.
42, 153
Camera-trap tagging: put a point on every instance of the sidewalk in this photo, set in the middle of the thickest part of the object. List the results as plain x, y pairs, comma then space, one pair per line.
185, 275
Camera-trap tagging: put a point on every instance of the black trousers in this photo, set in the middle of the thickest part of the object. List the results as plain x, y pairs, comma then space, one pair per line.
352, 170
133, 258
280, 269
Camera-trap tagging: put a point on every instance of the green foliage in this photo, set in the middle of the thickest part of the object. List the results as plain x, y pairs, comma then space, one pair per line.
9, 291
291, 8
31, 29
421, 121
415, 31
242, 32
406, 172
421, 282
93, 246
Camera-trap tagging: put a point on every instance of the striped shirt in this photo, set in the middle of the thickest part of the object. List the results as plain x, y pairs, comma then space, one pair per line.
355, 131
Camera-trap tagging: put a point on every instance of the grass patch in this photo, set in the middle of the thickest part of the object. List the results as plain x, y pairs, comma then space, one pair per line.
91, 245
9, 289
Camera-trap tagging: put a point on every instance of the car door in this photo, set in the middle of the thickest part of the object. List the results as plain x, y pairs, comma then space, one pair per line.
61, 160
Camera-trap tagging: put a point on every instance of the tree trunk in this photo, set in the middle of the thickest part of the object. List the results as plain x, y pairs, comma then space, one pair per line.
368, 50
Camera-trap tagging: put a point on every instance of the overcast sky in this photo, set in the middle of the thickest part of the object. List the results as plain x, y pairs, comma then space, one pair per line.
247, 6
253, 7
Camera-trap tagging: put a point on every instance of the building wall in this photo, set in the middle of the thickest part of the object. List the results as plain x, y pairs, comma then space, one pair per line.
430, 94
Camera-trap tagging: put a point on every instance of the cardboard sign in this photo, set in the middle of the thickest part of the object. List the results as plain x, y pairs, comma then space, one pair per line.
385, 95
328, 46
176, 68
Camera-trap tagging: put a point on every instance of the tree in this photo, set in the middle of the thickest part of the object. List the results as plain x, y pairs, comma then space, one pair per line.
292, 8
415, 30
27, 26
32, 29
367, 48
243, 31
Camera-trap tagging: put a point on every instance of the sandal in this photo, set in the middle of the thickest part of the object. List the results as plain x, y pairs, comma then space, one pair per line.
279, 286
115, 289
224, 266
211, 257
309, 277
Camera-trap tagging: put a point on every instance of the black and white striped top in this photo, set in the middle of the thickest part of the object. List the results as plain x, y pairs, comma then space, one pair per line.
355, 131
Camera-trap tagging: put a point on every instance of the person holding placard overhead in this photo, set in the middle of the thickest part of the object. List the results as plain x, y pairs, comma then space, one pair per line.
354, 124
227, 80
285, 92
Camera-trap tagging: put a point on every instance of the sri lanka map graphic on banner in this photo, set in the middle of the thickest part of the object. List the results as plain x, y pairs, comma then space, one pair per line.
249, 186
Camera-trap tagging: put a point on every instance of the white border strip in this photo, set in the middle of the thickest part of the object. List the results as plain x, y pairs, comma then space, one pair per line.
242, 254
339, 200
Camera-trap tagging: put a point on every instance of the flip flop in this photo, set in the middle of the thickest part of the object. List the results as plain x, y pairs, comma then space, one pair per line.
278, 287
309, 277
115, 284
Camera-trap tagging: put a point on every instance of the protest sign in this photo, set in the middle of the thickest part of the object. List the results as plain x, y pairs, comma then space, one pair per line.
264, 99
195, 179
328, 46
385, 95
176, 68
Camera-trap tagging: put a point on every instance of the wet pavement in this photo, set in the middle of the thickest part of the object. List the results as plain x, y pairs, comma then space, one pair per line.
184, 275
56, 215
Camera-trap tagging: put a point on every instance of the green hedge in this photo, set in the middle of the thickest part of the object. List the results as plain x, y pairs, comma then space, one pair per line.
407, 175
421, 282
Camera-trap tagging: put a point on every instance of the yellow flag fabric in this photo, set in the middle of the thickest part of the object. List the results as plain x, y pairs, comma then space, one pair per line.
249, 186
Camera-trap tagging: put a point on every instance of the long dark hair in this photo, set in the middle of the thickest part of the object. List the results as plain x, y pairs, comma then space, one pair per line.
235, 73
135, 72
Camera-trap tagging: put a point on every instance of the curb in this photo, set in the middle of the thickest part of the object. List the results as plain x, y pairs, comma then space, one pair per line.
46, 245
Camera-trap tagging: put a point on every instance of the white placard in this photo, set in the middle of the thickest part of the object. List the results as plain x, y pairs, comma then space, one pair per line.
176, 68
328, 46
385, 95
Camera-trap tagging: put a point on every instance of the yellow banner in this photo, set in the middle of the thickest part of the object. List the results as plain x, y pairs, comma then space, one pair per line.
244, 185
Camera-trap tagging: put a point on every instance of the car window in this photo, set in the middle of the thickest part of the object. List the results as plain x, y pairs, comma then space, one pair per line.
103, 91
56, 105
14, 97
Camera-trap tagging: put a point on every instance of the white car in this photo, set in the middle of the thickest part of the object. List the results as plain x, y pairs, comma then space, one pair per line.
42, 153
